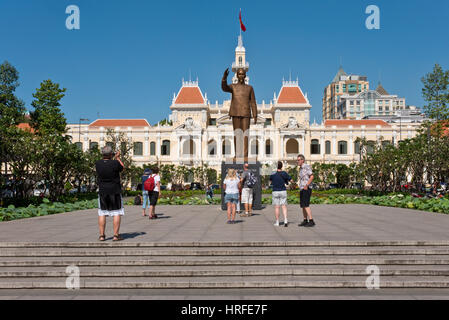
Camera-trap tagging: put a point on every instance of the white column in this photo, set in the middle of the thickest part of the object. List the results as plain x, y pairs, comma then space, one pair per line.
198, 148
351, 144
282, 147
334, 143
220, 147
146, 144
261, 147
178, 147
158, 145
303, 140
322, 145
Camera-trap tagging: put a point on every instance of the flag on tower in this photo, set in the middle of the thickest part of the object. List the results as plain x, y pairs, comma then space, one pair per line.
242, 26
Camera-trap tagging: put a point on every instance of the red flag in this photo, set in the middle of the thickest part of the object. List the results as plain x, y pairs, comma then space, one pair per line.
242, 26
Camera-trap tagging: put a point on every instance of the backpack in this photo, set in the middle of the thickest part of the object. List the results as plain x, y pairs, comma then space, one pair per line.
149, 184
251, 180
137, 201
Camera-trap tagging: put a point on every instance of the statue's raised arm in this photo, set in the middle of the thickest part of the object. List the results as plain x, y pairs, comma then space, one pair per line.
224, 82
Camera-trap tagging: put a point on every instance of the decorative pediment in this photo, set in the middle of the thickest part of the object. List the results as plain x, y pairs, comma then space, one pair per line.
292, 124
188, 125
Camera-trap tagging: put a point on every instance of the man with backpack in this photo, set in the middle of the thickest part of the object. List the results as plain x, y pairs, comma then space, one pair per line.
153, 186
248, 181
146, 199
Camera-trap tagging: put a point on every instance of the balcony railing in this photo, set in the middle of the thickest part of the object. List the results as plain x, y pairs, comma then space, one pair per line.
235, 66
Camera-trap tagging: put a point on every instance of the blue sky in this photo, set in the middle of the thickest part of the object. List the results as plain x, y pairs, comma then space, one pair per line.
129, 57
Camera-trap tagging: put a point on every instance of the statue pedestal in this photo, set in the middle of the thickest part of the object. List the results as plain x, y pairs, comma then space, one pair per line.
255, 168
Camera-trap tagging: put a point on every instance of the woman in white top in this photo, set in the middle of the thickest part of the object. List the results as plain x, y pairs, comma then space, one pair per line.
154, 195
231, 188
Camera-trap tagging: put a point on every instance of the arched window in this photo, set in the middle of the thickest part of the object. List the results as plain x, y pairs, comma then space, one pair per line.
357, 147
152, 148
315, 147
138, 148
268, 148
328, 147
292, 146
254, 147
188, 147
165, 148
240, 61
342, 147
93, 145
226, 147
212, 147
386, 143
370, 146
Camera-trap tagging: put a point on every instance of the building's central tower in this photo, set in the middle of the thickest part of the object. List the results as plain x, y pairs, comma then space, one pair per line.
240, 61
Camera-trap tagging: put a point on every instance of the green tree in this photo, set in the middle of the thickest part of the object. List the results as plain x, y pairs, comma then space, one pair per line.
20, 158
343, 175
47, 117
436, 93
12, 109
56, 159
119, 141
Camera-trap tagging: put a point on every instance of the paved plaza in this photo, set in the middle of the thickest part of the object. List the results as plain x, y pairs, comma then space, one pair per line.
208, 223
177, 224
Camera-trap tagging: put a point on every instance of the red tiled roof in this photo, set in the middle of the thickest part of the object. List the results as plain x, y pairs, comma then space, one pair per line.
444, 127
189, 95
291, 95
25, 126
356, 123
120, 123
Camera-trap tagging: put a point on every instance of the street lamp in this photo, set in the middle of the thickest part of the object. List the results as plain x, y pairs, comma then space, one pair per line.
79, 132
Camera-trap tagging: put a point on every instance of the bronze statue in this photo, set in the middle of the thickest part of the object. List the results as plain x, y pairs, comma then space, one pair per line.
243, 106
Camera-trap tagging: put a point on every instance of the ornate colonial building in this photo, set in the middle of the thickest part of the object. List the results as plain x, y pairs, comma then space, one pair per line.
201, 131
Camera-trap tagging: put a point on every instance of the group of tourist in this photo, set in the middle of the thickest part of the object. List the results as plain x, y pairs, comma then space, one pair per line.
110, 202
280, 179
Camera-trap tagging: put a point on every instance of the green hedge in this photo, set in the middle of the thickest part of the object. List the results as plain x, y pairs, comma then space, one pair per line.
45, 208
183, 201
167, 193
36, 201
432, 205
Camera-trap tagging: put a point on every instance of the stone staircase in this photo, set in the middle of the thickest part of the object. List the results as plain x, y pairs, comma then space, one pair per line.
224, 265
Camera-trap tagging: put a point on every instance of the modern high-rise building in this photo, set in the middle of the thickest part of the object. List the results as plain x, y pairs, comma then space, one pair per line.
370, 103
342, 84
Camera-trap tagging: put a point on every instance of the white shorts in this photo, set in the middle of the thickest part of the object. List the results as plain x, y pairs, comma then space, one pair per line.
279, 198
247, 195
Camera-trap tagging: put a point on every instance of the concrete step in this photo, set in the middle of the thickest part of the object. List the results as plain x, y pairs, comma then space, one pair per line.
130, 243
221, 273
259, 251
224, 268
215, 265
236, 282
229, 261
